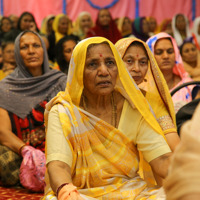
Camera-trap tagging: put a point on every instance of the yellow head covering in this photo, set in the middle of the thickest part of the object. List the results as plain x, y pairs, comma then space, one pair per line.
55, 26
124, 84
158, 94
77, 30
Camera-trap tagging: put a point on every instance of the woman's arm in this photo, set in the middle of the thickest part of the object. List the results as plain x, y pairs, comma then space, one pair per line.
160, 165
7, 137
173, 140
59, 173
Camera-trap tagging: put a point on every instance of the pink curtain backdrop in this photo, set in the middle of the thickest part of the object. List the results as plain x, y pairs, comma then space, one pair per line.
160, 9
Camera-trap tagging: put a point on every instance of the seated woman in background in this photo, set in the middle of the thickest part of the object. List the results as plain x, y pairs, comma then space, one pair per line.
181, 29
124, 25
105, 27
169, 60
82, 25
153, 26
92, 140
9, 62
24, 94
166, 26
5, 27
191, 58
46, 26
196, 32
24, 23
140, 28
61, 27
144, 70
64, 49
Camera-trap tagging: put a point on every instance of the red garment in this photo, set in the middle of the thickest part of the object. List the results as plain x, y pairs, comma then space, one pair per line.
31, 129
112, 33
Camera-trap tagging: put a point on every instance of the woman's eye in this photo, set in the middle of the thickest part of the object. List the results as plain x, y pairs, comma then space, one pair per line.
158, 52
23, 47
92, 64
143, 62
170, 51
129, 61
36, 45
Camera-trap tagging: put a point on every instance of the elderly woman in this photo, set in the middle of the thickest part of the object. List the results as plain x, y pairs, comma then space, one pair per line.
82, 25
169, 60
144, 70
24, 94
92, 142
61, 27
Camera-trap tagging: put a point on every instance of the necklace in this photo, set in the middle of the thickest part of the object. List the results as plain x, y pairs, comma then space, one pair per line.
114, 109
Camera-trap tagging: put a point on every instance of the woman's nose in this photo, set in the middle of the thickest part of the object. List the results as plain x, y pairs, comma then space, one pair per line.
103, 70
136, 67
165, 54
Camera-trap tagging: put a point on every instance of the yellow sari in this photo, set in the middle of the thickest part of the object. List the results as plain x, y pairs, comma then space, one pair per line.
105, 161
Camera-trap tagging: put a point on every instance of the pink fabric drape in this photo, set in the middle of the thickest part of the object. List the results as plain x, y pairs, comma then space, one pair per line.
160, 9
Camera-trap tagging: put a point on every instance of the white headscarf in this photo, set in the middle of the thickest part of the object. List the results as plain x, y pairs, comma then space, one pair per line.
176, 32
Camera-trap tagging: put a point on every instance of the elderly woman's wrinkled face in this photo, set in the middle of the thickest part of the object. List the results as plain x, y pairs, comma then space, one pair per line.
189, 53
164, 54
31, 50
136, 61
63, 25
86, 22
68, 47
100, 72
104, 18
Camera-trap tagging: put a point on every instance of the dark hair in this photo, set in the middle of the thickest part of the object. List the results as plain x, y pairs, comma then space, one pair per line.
186, 41
20, 19
139, 44
63, 64
3, 18
4, 44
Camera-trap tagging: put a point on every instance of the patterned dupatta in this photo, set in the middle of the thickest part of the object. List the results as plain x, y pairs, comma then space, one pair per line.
104, 159
184, 95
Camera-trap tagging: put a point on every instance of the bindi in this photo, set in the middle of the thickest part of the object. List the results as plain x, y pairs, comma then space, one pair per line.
137, 55
100, 55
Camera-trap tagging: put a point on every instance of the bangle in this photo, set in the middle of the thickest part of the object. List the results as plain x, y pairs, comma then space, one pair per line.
60, 187
20, 149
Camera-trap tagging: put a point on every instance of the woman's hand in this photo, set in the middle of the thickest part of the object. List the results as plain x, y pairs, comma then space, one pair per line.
69, 192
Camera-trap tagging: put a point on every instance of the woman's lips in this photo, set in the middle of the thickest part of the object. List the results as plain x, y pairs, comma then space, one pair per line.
104, 83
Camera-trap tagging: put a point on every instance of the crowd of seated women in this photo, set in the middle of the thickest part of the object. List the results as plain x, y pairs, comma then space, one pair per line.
86, 110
